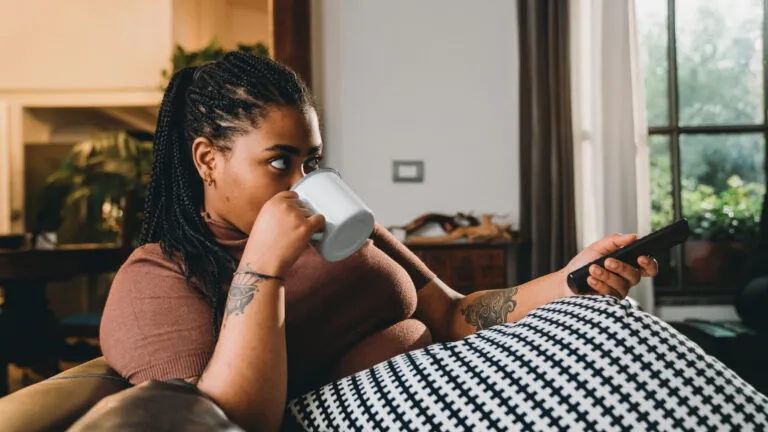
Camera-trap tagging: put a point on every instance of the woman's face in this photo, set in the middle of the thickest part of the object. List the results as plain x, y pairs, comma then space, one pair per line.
262, 163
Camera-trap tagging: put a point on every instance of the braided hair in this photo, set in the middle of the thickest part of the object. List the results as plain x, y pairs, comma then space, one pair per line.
217, 101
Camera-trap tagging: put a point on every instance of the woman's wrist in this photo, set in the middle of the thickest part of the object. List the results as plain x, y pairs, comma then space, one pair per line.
247, 271
265, 262
263, 268
562, 283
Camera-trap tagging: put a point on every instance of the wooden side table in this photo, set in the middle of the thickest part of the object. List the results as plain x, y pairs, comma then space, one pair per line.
469, 267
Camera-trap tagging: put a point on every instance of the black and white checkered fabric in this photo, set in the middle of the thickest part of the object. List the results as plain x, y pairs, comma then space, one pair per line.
582, 363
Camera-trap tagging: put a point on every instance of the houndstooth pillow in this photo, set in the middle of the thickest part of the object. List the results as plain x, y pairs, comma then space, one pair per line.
582, 363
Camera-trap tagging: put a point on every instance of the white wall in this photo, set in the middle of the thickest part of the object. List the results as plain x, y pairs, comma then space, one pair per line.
431, 80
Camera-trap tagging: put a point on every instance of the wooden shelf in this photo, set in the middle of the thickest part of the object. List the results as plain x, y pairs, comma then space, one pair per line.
468, 267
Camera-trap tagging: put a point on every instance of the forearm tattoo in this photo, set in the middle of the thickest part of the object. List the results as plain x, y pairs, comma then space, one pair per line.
244, 287
490, 309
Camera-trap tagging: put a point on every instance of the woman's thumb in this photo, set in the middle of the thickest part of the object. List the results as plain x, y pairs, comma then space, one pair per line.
613, 242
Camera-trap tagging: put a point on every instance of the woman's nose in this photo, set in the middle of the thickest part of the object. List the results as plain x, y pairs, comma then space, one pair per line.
296, 176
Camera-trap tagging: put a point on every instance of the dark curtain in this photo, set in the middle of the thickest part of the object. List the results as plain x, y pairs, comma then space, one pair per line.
547, 215
752, 293
755, 266
763, 228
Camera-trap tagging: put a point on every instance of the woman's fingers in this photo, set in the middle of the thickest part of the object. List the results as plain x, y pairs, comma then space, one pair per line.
316, 223
597, 282
626, 271
304, 209
615, 282
617, 277
649, 267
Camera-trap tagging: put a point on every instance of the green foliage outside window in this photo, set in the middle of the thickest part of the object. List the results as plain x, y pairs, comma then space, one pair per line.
719, 78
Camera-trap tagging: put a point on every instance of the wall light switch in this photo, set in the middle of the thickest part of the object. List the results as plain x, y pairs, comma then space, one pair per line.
407, 171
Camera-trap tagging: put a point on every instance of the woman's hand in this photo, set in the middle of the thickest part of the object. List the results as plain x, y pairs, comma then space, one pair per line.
280, 234
617, 277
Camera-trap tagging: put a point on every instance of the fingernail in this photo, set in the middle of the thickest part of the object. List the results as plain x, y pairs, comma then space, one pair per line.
643, 260
611, 264
596, 270
591, 280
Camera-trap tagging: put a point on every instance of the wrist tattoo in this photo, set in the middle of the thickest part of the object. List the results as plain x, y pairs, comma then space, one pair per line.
490, 309
245, 284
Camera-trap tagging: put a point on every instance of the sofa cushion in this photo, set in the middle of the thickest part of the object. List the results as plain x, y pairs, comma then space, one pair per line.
581, 363
57, 402
156, 406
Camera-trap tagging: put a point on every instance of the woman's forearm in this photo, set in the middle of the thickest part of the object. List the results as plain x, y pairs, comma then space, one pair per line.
485, 309
247, 375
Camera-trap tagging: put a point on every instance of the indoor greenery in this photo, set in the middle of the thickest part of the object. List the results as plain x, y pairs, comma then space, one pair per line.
213, 51
102, 183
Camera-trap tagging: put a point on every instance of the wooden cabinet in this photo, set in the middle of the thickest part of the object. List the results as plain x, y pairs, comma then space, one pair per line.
468, 267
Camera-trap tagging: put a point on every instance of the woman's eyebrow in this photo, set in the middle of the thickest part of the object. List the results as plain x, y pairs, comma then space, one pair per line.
293, 150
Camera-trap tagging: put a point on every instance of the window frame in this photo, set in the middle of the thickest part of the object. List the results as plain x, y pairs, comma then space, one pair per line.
681, 293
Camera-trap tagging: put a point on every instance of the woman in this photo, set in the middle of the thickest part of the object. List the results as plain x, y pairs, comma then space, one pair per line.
225, 292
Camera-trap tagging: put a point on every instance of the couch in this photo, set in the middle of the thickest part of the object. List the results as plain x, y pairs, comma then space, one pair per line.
61, 402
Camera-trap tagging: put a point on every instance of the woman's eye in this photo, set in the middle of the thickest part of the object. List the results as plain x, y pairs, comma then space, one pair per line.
313, 163
280, 163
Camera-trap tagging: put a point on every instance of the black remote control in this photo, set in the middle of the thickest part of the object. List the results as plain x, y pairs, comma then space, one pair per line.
649, 245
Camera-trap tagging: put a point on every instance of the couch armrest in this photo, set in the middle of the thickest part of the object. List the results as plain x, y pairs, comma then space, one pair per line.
156, 406
54, 404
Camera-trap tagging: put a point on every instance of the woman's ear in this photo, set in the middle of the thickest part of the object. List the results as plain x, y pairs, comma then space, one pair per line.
204, 155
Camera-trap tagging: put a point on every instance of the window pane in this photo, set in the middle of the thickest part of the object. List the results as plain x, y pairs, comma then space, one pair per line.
723, 183
719, 61
721, 163
662, 204
652, 34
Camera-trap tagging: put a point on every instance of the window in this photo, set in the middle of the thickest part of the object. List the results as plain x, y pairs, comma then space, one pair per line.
706, 101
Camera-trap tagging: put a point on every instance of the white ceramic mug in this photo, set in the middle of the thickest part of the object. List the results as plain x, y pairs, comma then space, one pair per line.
348, 221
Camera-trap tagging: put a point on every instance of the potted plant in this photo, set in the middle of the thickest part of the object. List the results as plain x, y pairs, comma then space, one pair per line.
723, 226
102, 184
212, 52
